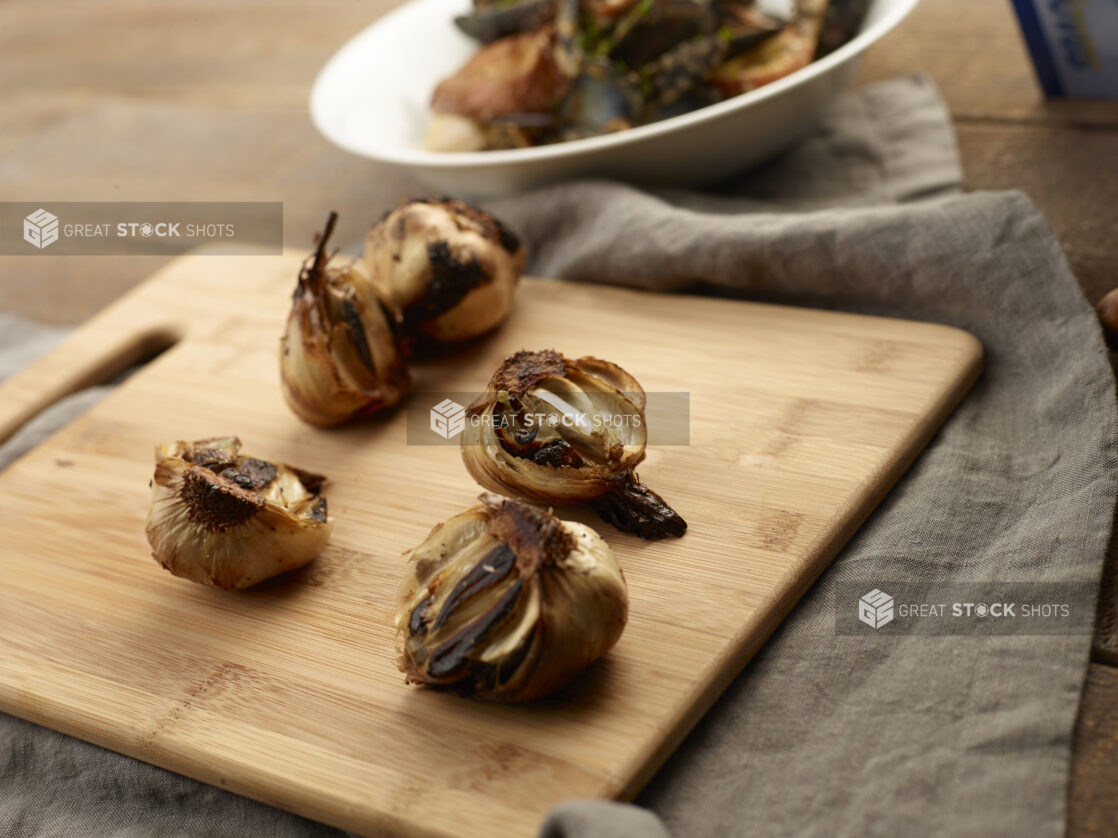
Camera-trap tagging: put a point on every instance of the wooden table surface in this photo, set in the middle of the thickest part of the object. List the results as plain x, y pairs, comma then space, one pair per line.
205, 100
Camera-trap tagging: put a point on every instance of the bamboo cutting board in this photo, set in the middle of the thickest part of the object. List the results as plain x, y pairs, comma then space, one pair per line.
800, 422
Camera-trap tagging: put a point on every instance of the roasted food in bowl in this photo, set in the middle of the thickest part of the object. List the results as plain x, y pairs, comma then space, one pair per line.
373, 98
550, 71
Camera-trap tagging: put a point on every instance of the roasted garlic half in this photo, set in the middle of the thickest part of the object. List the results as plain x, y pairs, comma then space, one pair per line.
230, 521
505, 601
449, 267
555, 430
341, 356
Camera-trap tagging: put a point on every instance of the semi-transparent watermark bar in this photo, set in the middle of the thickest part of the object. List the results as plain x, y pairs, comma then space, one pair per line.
444, 417
55, 228
898, 606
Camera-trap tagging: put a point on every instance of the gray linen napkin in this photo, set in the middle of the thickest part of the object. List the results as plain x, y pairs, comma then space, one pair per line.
821, 734
865, 735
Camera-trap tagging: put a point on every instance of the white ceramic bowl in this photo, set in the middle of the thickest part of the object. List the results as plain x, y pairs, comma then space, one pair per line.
372, 97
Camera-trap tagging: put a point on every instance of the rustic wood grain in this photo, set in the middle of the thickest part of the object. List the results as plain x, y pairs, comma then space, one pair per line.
181, 100
975, 53
1062, 171
123, 100
1105, 646
128, 100
1105, 643
291, 694
1010, 136
1093, 792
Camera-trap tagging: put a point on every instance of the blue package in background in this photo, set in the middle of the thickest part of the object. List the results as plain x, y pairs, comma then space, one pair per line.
1074, 45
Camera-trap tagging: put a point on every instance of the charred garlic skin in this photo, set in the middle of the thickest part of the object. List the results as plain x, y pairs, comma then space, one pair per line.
547, 428
229, 521
450, 268
341, 355
507, 602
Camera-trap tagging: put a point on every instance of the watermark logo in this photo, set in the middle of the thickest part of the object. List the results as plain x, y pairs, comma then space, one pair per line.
973, 607
40, 228
875, 609
100, 228
437, 417
448, 418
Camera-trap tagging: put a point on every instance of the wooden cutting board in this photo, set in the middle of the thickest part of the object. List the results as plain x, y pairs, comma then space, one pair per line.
800, 422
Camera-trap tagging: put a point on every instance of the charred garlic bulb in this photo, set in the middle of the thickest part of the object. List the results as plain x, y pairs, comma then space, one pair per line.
449, 267
555, 430
340, 356
507, 602
230, 521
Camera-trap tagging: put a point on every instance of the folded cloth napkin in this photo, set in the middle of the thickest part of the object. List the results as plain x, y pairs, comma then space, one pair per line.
822, 733
825, 734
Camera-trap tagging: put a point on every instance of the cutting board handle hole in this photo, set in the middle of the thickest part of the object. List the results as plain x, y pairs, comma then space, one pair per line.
74, 366
132, 358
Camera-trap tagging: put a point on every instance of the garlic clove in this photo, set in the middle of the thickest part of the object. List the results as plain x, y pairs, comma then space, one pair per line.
505, 601
546, 429
449, 267
230, 521
340, 356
